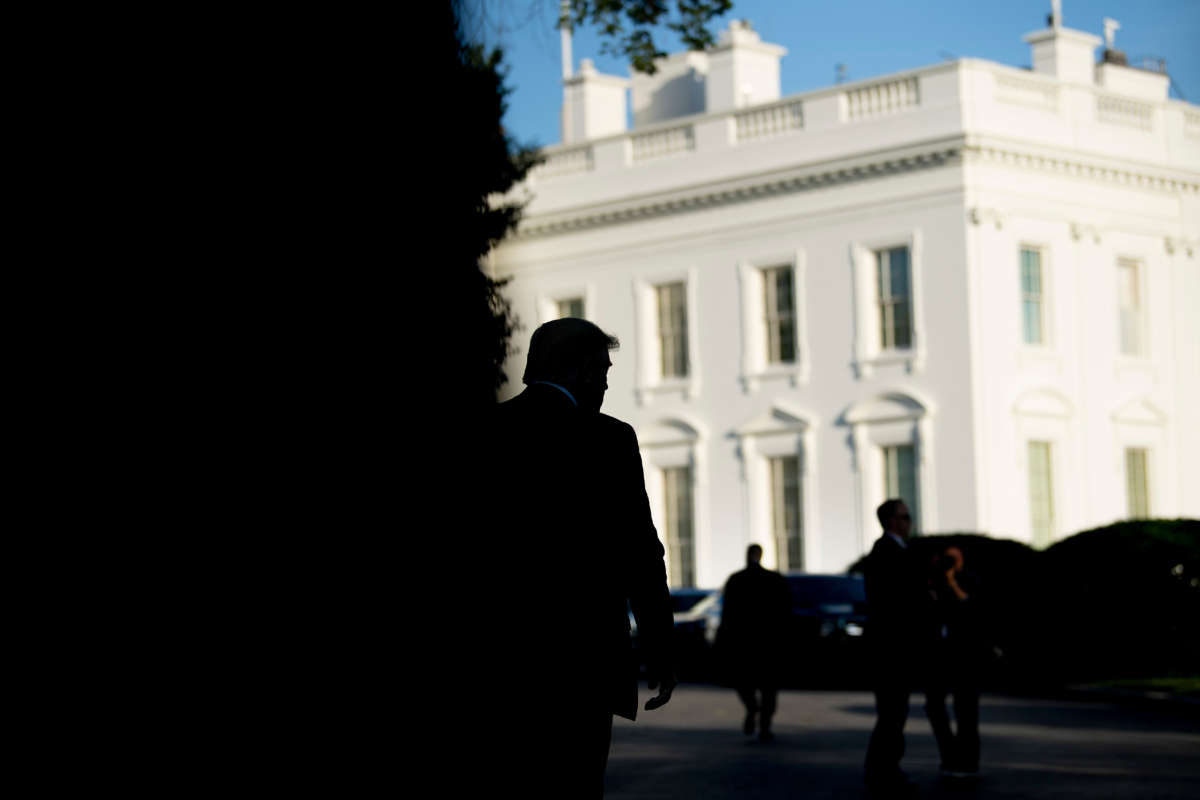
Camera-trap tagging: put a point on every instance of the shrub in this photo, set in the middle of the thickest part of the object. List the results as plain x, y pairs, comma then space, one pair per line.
1122, 601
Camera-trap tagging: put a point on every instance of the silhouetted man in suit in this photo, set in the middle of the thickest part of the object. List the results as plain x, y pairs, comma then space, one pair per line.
755, 610
573, 547
897, 615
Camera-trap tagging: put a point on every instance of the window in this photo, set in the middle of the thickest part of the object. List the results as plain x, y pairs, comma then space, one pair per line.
1041, 492
672, 330
1136, 483
780, 315
1129, 300
681, 557
785, 512
570, 307
900, 477
895, 305
1031, 296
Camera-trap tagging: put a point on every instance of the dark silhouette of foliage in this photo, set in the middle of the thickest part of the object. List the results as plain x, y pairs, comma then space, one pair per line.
483, 162
625, 25
1122, 601
1127, 597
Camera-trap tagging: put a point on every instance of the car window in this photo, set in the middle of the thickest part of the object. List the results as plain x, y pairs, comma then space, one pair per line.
810, 591
684, 602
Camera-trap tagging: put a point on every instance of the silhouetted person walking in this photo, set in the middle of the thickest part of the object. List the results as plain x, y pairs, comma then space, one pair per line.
755, 610
897, 621
955, 664
572, 546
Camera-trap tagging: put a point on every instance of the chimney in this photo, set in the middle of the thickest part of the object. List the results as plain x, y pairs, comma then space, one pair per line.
1064, 53
676, 89
593, 104
743, 70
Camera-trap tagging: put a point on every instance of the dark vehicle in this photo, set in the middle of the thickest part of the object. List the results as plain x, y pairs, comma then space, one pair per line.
697, 613
829, 616
683, 600
824, 644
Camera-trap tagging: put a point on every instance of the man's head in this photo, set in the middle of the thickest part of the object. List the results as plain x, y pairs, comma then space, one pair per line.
574, 354
894, 517
753, 555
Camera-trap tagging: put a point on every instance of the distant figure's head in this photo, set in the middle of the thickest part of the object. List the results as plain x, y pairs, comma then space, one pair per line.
894, 517
574, 354
954, 554
753, 555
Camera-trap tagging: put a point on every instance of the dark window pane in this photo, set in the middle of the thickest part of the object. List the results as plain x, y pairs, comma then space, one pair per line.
898, 267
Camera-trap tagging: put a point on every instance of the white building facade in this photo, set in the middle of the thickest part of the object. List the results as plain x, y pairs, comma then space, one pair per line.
973, 286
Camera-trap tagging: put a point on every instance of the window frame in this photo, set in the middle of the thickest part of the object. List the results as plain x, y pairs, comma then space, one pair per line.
571, 300
870, 354
1141, 316
678, 338
914, 503
781, 431
649, 382
756, 368
1048, 491
1147, 507
887, 303
547, 301
674, 442
1044, 308
775, 318
893, 417
781, 491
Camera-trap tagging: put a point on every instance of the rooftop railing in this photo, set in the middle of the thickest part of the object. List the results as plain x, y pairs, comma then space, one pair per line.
848, 105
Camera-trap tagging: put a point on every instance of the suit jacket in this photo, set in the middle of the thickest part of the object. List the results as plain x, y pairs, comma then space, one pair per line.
572, 540
898, 602
756, 612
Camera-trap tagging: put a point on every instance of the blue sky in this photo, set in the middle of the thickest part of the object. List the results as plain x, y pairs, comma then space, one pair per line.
871, 37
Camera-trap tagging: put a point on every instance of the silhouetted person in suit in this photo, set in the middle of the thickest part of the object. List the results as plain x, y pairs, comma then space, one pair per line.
573, 547
897, 621
955, 664
755, 610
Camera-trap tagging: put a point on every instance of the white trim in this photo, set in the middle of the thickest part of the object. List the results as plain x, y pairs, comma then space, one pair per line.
548, 299
868, 352
648, 379
1141, 423
677, 441
891, 418
1047, 415
781, 431
1050, 338
754, 369
1145, 356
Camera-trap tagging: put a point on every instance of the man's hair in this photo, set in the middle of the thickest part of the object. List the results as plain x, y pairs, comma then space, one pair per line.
887, 509
751, 549
563, 344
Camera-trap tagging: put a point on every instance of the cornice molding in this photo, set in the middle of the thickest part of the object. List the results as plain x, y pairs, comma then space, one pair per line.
844, 171
1079, 167
773, 184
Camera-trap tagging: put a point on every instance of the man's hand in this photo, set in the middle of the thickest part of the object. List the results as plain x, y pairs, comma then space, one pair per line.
666, 685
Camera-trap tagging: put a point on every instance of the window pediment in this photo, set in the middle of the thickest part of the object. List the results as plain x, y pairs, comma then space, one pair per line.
668, 432
1140, 412
778, 419
887, 408
1044, 403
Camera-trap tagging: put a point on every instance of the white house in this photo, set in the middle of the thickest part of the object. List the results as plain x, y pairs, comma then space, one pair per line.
970, 285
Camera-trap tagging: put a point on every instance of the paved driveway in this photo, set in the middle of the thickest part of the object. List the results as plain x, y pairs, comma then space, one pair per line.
694, 748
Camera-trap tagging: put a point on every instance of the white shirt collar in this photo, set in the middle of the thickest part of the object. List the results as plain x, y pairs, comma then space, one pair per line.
574, 402
897, 539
